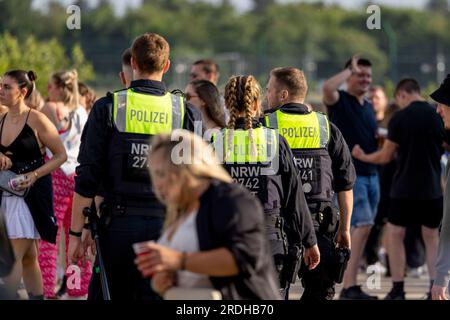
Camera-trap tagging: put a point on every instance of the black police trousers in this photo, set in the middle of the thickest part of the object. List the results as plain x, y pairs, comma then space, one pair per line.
319, 283
124, 279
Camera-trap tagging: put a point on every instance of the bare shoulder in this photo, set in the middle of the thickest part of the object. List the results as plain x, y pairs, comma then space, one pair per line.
3, 110
50, 107
38, 120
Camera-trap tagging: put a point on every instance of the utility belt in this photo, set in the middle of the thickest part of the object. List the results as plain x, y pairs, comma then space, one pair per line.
288, 260
108, 211
275, 226
119, 210
325, 217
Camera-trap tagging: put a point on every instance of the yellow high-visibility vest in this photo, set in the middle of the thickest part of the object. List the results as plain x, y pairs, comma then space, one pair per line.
264, 143
302, 131
139, 113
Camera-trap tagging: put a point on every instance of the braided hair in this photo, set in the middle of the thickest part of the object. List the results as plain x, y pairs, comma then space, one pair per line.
241, 92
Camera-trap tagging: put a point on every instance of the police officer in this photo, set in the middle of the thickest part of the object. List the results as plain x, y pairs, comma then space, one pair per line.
259, 159
325, 166
114, 152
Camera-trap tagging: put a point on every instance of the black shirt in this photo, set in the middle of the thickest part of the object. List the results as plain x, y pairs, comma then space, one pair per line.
294, 209
358, 126
92, 169
230, 216
342, 166
419, 133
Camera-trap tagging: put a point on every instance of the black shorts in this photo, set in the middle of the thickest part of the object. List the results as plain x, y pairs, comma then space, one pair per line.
403, 212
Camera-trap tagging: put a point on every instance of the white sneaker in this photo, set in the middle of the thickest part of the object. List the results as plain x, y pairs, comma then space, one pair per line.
416, 272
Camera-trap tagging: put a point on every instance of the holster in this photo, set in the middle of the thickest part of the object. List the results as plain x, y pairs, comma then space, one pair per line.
292, 264
105, 216
325, 217
340, 258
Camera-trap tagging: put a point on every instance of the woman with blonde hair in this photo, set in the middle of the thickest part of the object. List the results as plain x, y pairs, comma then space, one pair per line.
214, 229
69, 117
35, 101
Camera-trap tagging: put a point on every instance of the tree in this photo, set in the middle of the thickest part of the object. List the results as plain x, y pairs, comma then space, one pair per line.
260, 6
438, 5
43, 57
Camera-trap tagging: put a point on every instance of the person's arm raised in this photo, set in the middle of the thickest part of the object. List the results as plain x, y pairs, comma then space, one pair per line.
331, 86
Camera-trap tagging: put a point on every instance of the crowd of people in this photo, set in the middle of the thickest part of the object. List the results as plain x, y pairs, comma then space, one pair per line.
211, 195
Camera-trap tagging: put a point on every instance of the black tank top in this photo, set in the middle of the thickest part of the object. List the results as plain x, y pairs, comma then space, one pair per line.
24, 151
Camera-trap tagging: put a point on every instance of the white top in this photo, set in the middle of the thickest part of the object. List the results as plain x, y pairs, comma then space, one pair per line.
71, 140
185, 239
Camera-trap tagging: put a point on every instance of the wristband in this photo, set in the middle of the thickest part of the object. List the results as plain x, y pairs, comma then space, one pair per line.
75, 234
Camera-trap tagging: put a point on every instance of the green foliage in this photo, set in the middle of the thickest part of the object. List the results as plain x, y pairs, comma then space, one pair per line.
274, 33
43, 57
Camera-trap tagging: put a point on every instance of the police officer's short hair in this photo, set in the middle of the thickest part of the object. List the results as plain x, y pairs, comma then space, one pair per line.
408, 85
293, 79
126, 57
208, 65
150, 51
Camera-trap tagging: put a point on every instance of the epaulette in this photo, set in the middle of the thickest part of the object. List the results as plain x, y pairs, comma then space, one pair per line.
177, 92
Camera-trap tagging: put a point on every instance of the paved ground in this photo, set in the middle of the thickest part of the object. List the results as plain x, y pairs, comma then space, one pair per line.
379, 285
373, 283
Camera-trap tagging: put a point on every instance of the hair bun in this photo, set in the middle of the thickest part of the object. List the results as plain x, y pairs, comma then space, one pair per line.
32, 75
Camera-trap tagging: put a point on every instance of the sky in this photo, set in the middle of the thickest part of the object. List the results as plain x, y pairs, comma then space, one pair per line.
243, 5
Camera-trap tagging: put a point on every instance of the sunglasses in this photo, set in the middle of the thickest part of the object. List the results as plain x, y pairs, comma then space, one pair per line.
189, 96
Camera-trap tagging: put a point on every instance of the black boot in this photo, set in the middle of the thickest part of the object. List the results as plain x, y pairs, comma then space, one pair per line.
37, 297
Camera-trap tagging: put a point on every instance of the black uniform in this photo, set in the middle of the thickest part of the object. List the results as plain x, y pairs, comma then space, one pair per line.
131, 212
335, 173
284, 203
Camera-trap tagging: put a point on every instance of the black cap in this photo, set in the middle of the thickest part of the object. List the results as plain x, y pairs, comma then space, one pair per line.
442, 95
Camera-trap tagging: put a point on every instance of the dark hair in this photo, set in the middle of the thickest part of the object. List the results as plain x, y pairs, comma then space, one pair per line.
24, 79
293, 79
208, 65
126, 57
209, 93
87, 92
361, 62
409, 85
150, 51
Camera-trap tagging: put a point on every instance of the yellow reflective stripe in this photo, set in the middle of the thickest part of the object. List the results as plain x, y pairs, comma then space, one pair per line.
240, 151
300, 131
145, 114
